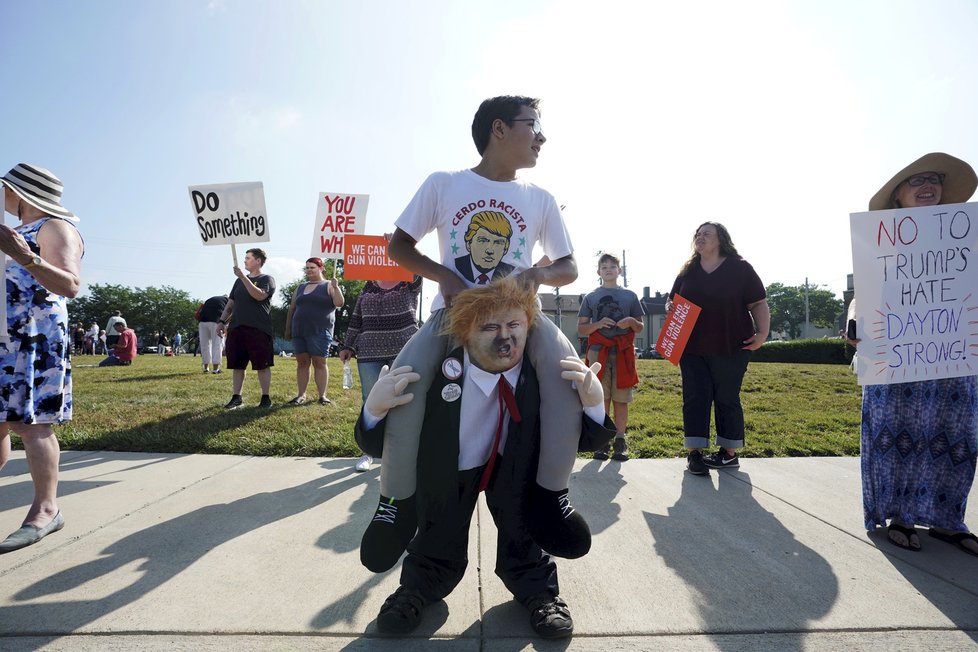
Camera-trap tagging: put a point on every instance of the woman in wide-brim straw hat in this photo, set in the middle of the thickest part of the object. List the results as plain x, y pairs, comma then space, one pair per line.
935, 420
45, 253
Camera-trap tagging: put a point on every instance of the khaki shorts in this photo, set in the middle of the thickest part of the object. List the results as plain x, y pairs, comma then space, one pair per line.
610, 376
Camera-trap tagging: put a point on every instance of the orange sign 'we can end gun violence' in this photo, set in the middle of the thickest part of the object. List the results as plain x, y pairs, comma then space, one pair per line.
675, 332
365, 259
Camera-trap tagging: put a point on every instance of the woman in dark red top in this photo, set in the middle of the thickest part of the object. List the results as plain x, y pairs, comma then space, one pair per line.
734, 321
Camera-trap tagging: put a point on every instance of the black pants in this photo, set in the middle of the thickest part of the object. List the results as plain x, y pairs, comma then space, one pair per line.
713, 382
438, 555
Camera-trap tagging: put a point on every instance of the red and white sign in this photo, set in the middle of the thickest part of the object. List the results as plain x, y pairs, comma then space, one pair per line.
675, 332
337, 215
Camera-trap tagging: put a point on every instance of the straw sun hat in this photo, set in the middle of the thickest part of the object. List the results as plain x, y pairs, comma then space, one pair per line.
959, 181
39, 188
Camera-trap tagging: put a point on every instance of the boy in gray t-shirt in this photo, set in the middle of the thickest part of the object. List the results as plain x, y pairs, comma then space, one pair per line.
609, 318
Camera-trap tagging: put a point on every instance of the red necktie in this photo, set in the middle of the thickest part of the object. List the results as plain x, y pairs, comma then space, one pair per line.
483, 279
506, 401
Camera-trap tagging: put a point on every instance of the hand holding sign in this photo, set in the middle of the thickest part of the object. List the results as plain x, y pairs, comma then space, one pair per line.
918, 292
229, 213
675, 332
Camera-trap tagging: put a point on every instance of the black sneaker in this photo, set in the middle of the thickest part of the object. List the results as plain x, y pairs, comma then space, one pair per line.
695, 464
549, 616
621, 450
265, 402
389, 533
401, 611
722, 460
602, 453
234, 403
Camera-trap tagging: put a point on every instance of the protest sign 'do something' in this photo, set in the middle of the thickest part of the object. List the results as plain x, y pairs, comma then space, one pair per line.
337, 215
916, 291
229, 213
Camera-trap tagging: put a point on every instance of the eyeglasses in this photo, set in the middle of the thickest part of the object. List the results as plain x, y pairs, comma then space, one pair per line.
536, 126
936, 179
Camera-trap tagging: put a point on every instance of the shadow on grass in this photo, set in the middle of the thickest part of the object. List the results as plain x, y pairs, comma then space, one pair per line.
184, 432
149, 378
163, 551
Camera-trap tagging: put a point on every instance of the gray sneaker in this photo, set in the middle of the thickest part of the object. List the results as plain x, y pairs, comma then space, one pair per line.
695, 464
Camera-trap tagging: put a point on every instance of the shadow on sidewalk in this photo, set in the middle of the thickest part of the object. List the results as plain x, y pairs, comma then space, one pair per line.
746, 570
593, 491
166, 550
20, 494
955, 591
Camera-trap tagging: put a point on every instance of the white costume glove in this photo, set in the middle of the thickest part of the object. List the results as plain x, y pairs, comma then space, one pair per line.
387, 391
585, 380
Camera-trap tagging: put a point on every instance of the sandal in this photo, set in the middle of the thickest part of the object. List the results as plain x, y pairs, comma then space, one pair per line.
957, 538
324, 401
298, 400
909, 532
401, 611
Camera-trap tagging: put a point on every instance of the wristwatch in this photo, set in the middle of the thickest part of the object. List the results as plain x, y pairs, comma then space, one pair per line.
35, 260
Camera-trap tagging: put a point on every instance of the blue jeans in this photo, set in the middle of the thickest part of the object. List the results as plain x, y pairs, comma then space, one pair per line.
713, 382
113, 361
369, 373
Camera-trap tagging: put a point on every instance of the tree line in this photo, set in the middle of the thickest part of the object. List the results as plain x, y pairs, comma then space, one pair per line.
169, 310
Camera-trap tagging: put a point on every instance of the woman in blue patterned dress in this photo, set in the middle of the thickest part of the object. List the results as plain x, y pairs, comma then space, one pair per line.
43, 271
918, 440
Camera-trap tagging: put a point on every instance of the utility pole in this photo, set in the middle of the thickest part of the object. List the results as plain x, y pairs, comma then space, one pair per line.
806, 307
560, 326
624, 269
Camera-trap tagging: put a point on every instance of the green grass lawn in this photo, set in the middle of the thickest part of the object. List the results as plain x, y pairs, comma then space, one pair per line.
168, 405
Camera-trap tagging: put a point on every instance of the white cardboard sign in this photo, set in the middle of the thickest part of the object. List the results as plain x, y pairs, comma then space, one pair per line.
915, 272
230, 213
337, 214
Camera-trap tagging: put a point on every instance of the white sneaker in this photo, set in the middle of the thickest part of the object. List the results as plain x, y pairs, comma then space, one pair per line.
363, 464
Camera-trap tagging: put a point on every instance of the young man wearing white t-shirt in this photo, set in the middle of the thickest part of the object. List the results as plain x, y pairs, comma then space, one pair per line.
488, 223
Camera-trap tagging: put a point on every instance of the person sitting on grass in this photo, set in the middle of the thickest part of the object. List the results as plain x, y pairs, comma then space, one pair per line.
124, 351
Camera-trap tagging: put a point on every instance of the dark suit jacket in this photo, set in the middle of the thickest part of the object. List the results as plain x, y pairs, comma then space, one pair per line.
464, 266
439, 447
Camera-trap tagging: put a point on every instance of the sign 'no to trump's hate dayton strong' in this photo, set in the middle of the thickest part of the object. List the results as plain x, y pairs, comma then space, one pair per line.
916, 290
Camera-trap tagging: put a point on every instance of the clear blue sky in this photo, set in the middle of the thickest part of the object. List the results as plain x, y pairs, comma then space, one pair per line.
776, 118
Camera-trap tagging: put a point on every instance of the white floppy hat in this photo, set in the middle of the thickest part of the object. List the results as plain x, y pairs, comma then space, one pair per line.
959, 180
39, 188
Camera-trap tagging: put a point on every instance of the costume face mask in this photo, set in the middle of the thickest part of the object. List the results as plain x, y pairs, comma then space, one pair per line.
497, 344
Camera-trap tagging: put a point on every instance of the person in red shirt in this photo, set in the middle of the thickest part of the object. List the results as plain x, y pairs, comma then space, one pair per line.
124, 351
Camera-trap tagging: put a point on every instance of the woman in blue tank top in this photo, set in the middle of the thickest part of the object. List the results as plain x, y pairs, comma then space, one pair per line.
309, 325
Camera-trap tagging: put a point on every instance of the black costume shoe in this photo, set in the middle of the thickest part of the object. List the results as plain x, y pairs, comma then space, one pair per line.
389, 533
549, 616
555, 525
401, 611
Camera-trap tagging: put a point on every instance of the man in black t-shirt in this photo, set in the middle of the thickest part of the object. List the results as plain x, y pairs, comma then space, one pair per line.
248, 320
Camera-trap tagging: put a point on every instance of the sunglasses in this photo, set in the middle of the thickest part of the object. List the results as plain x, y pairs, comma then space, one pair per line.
536, 126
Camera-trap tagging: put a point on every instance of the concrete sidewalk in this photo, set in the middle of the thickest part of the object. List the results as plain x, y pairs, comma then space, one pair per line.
198, 552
